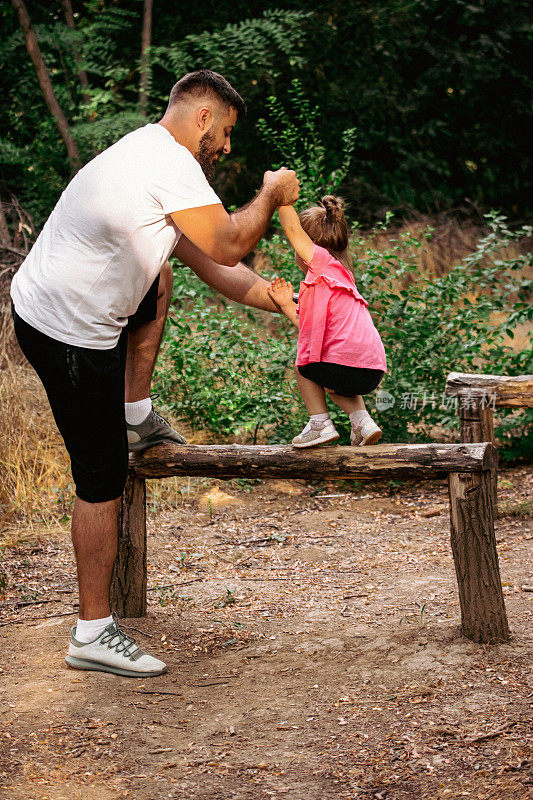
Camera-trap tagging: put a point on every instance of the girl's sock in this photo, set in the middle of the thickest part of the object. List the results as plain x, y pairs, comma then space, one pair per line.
138, 411
316, 418
359, 417
87, 630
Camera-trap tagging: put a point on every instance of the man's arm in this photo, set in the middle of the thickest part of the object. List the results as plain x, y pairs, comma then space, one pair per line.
236, 283
226, 238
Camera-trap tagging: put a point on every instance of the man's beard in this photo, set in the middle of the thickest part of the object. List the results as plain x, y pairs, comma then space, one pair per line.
206, 155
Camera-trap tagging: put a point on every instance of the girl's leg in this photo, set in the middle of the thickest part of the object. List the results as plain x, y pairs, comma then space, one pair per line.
319, 429
314, 396
348, 404
364, 429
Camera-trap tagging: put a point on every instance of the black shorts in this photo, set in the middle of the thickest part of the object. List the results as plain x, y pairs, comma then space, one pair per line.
346, 381
147, 310
85, 388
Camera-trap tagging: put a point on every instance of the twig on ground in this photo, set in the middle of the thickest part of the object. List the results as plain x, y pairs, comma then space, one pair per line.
492, 734
36, 619
13, 250
36, 603
172, 585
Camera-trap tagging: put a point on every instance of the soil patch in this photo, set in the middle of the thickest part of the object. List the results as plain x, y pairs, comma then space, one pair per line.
312, 638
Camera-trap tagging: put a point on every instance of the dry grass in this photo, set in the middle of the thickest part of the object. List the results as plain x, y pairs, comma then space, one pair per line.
450, 242
34, 474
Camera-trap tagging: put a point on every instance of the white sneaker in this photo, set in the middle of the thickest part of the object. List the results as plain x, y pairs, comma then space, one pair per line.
367, 433
319, 432
113, 651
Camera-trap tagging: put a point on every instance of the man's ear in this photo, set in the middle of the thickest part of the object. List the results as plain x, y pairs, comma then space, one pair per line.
204, 118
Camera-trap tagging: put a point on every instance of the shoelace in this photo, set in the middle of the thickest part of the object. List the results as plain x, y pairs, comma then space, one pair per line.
159, 417
123, 642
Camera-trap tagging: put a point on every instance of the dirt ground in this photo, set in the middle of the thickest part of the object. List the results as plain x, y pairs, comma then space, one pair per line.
312, 639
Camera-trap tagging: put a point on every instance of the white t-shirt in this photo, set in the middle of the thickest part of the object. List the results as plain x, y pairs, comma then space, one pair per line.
108, 238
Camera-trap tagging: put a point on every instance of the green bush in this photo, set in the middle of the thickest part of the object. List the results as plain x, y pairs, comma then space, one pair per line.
223, 371
431, 326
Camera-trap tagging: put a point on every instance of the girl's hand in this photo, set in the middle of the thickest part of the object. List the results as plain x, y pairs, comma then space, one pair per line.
281, 292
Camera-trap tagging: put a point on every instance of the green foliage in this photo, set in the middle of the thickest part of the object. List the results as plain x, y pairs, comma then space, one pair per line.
439, 93
293, 131
431, 326
221, 371
247, 53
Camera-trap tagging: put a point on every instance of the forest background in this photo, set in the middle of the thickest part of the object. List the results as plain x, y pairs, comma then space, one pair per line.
418, 113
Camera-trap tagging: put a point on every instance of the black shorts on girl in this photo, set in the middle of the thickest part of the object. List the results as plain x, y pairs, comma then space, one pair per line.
343, 380
85, 389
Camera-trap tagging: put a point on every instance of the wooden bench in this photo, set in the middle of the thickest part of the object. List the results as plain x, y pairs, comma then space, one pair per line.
468, 467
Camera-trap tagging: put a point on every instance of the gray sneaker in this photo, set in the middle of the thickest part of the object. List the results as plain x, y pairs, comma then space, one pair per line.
153, 430
113, 651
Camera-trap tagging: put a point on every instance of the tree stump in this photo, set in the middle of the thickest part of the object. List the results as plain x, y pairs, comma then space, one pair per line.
483, 616
128, 585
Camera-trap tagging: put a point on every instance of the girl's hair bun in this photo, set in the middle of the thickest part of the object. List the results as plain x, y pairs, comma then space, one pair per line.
334, 207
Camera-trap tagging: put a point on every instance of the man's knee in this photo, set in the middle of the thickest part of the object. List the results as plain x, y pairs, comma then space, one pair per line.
166, 279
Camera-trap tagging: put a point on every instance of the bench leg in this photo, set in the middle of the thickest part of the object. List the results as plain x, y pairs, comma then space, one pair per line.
128, 585
476, 423
483, 616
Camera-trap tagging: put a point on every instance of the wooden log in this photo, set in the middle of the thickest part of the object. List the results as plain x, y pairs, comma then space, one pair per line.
128, 585
362, 463
483, 616
498, 391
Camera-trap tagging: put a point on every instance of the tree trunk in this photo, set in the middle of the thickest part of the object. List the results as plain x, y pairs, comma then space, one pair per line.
473, 541
82, 75
145, 58
5, 238
128, 586
45, 83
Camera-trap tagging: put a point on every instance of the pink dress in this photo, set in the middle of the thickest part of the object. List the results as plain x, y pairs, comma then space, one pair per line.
335, 325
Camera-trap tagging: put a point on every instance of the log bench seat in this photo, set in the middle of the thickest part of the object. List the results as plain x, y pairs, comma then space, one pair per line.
469, 468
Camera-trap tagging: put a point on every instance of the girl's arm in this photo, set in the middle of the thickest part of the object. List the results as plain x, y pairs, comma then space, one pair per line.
281, 293
295, 233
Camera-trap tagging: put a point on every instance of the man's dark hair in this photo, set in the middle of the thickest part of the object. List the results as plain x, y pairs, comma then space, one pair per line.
205, 81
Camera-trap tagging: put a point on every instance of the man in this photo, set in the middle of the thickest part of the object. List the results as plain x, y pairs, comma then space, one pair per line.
80, 321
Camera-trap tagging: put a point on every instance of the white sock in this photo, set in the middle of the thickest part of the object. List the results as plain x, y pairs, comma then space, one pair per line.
137, 412
319, 417
359, 417
87, 630
315, 418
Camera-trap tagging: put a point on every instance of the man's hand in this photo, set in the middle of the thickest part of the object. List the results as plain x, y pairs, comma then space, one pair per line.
281, 292
284, 184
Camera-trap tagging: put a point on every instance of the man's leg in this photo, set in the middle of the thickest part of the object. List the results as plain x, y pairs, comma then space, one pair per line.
146, 427
94, 536
144, 343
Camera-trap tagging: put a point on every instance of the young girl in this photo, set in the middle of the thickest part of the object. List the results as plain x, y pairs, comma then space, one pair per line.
339, 349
